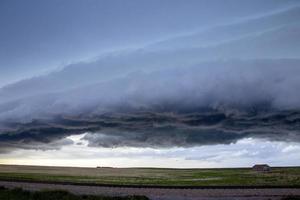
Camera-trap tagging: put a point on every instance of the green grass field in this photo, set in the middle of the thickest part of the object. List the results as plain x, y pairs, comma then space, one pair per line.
151, 176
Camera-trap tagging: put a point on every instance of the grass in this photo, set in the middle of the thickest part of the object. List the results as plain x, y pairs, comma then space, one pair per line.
159, 177
19, 194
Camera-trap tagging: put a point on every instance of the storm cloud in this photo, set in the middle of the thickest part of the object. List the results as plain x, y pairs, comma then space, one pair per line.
229, 86
155, 129
215, 86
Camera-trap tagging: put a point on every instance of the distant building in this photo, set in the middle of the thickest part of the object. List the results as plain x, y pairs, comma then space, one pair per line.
100, 167
261, 168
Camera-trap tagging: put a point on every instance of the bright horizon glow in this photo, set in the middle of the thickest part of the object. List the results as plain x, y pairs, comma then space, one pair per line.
244, 153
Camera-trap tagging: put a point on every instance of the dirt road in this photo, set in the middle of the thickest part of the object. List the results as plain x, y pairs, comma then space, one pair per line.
163, 194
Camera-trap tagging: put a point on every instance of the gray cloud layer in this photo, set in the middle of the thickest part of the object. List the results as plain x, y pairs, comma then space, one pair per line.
271, 36
231, 86
154, 129
234, 86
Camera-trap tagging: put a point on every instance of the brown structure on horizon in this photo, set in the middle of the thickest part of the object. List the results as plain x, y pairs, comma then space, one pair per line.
261, 168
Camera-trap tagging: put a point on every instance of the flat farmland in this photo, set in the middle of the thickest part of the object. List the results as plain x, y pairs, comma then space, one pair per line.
286, 177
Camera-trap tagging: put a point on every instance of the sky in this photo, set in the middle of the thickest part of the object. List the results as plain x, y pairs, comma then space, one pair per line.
135, 83
39, 36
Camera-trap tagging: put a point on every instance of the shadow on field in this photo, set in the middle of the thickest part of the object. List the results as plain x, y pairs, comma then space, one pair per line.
19, 194
291, 198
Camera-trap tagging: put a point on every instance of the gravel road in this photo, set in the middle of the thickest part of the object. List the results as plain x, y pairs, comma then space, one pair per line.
164, 194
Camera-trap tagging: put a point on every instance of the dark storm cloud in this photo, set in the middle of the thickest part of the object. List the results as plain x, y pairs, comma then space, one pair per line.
154, 129
34, 135
210, 103
187, 130
214, 86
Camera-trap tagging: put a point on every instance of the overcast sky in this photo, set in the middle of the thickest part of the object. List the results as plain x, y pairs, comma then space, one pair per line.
136, 82
38, 36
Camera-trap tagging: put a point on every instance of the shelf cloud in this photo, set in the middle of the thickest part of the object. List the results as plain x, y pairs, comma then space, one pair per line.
219, 85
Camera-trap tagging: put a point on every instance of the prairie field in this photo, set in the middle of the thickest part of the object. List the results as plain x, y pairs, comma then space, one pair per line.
288, 176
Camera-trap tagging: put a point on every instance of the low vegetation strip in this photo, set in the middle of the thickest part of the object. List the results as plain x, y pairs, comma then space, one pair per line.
277, 177
19, 194
154, 186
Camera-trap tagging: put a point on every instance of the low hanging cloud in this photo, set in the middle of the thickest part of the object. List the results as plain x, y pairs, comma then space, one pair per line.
154, 129
209, 103
245, 85
231, 87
